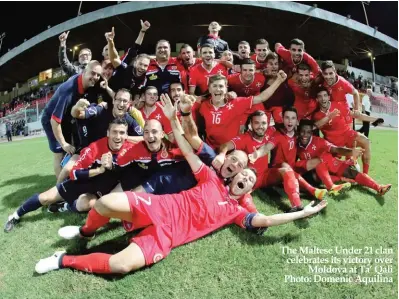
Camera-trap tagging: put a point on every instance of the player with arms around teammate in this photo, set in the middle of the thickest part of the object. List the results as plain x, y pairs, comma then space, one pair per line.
57, 118
168, 220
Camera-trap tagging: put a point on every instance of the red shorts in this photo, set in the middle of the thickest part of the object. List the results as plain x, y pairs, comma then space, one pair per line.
273, 177
346, 139
148, 211
334, 165
277, 113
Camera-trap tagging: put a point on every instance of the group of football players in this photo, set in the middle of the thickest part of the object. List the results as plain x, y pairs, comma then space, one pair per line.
174, 146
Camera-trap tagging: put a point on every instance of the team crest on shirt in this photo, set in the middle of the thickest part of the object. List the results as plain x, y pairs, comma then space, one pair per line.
153, 77
258, 84
142, 165
220, 72
157, 257
158, 117
164, 154
174, 67
313, 147
340, 88
230, 106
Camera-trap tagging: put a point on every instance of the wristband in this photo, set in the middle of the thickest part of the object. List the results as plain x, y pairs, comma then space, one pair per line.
185, 114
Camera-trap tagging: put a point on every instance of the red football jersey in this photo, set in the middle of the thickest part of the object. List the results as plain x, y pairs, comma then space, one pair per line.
304, 105
247, 143
199, 76
259, 65
336, 126
315, 149
284, 149
289, 65
242, 90
140, 154
185, 72
160, 116
90, 157
221, 123
338, 91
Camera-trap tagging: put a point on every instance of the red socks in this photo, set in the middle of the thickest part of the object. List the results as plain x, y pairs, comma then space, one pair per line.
365, 180
366, 168
92, 263
93, 222
322, 173
304, 184
291, 187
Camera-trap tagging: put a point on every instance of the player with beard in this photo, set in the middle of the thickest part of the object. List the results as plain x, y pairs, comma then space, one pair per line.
261, 51
152, 110
301, 85
92, 121
220, 115
163, 70
338, 87
294, 56
185, 62
168, 220
335, 126
92, 173
283, 96
56, 119
316, 153
213, 39
200, 74
283, 161
129, 76
258, 135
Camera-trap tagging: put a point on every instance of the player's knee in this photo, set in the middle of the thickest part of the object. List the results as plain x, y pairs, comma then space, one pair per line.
104, 205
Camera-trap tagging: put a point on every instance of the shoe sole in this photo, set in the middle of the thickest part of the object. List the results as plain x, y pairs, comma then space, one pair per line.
386, 191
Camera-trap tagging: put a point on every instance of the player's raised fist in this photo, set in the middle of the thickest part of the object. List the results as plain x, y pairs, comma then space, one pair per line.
110, 35
218, 161
186, 103
63, 37
281, 75
145, 25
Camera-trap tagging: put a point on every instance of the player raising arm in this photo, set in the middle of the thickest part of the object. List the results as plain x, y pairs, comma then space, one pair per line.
168, 220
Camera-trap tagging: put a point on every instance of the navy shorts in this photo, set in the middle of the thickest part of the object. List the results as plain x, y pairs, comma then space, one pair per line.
170, 180
99, 185
54, 146
133, 176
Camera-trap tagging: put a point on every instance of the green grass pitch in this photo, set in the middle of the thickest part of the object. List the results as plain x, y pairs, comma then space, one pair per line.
230, 263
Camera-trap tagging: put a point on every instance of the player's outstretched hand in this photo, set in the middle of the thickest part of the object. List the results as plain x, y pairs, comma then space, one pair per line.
218, 161
253, 157
167, 107
109, 36
310, 209
68, 148
281, 75
356, 153
145, 25
63, 37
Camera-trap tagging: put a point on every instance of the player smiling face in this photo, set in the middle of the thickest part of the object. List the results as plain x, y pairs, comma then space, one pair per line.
296, 52
176, 91
217, 88
162, 50
262, 50
234, 163
227, 56
153, 134
248, 72
117, 135
121, 103
151, 96
305, 133
207, 55
323, 99
141, 65
329, 75
259, 125
92, 74
243, 182
304, 77
290, 121
244, 50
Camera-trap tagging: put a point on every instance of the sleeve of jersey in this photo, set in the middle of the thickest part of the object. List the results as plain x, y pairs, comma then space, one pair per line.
312, 63
206, 154
93, 111
284, 53
80, 171
167, 127
244, 220
59, 109
247, 203
238, 143
327, 145
347, 86
203, 174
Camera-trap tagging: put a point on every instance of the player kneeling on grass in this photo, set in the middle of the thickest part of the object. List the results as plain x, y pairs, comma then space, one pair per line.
316, 153
91, 174
168, 220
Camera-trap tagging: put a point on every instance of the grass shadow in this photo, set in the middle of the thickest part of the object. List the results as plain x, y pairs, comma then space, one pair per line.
273, 198
364, 190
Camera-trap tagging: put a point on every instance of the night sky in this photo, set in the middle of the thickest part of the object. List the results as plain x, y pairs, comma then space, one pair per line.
380, 13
